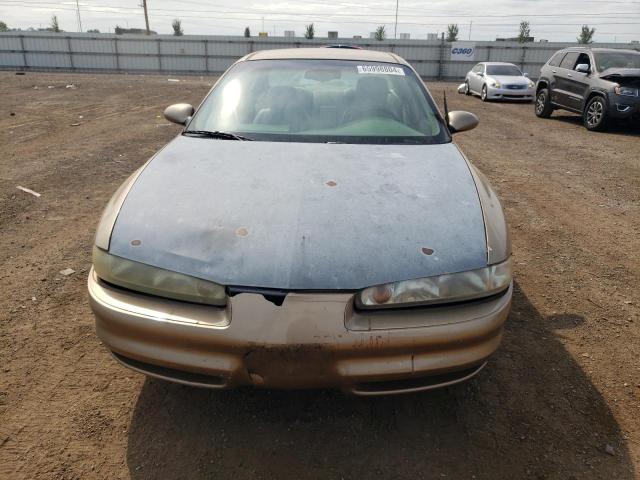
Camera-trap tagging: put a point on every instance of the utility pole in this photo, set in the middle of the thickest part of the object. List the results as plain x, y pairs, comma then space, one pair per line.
395, 30
78, 16
146, 16
470, 25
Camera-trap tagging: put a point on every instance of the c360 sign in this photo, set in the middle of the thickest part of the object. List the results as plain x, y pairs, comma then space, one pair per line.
463, 51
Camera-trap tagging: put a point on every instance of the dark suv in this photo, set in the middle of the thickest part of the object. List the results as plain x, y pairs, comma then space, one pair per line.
598, 83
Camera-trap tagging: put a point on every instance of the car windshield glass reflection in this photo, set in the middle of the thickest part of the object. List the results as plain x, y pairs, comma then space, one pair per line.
504, 70
322, 101
608, 60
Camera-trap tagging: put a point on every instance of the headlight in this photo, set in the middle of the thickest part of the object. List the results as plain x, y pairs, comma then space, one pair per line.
495, 84
627, 91
447, 288
531, 84
156, 281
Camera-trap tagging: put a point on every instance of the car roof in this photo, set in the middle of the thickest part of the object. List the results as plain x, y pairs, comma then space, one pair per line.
498, 63
321, 53
600, 49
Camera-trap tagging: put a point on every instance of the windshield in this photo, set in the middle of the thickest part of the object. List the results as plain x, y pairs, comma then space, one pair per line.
504, 70
322, 101
606, 60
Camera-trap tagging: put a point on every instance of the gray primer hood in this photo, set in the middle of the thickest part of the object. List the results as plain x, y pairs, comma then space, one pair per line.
303, 216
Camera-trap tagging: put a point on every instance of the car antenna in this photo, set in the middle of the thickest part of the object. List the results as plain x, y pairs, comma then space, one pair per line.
446, 107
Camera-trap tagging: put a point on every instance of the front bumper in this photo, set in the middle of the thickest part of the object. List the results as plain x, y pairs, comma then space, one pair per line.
310, 341
494, 93
623, 107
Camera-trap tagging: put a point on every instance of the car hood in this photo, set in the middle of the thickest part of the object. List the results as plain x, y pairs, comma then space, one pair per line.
615, 74
510, 80
303, 216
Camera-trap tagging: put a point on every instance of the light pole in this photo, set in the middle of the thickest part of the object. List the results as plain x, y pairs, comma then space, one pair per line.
395, 30
146, 16
78, 15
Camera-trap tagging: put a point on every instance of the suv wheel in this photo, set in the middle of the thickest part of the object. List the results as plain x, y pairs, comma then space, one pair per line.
543, 104
595, 114
483, 95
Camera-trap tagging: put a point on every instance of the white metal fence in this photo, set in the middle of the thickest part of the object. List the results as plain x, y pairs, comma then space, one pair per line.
214, 54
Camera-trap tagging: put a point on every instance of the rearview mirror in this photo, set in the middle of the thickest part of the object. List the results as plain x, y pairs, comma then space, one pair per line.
582, 68
460, 121
179, 113
526, 74
323, 75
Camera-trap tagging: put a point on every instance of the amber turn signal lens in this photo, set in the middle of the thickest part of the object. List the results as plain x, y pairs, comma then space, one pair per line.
445, 288
382, 294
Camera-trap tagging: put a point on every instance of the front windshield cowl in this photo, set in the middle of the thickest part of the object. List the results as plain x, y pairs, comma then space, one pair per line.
322, 101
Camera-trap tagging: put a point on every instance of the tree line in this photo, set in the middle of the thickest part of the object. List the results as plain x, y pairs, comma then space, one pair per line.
585, 35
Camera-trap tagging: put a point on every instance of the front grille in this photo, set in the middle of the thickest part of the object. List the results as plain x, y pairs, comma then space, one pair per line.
272, 295
515, 87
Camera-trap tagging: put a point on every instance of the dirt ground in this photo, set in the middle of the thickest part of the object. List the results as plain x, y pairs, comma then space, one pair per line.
560, 399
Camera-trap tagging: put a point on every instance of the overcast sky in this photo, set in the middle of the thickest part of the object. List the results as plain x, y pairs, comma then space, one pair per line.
550, 19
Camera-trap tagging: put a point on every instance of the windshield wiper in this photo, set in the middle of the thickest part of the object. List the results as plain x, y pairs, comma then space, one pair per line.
216, 134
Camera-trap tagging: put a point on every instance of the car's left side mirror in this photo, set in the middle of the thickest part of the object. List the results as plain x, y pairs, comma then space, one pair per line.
525, 74
459, 121
179, 113
582, 68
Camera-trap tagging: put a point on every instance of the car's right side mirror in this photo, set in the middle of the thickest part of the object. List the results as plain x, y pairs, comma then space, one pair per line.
582, 68
179, 113
460, 121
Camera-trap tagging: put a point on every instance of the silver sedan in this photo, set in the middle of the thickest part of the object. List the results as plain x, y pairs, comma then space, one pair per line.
497, 80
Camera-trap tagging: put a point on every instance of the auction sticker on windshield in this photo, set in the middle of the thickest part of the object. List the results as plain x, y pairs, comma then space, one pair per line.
380, 69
